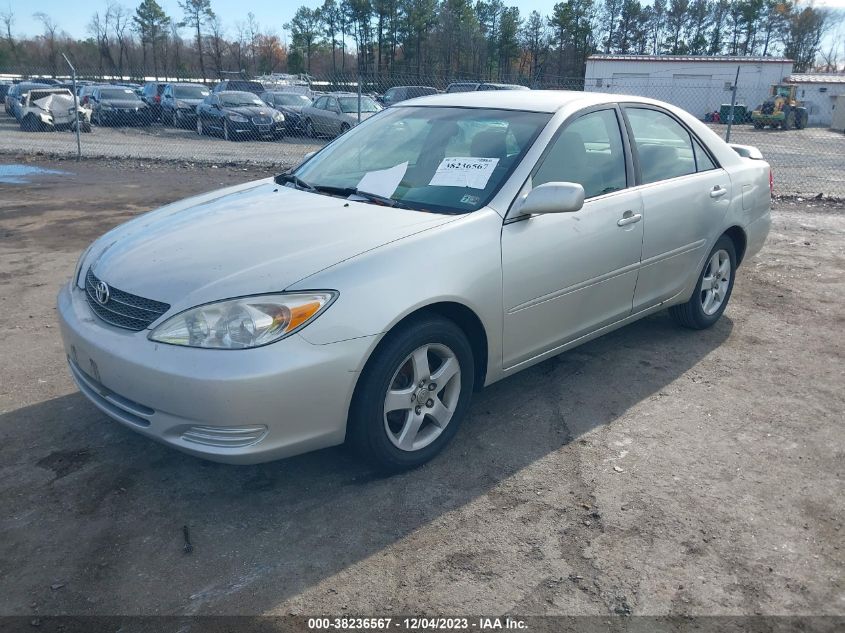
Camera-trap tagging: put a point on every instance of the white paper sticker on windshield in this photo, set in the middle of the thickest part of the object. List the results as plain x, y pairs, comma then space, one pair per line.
384, 181
464, 171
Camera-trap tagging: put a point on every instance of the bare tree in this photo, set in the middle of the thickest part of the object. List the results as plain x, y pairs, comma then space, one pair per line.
119, 18
8, 18
217, 40
50, 32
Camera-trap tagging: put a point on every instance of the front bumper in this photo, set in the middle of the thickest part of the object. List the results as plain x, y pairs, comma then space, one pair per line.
125, 116
253, 130
234, 406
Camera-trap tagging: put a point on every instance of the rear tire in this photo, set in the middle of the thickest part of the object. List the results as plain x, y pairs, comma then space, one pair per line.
404, 371
789, 121
712, 289
30, 124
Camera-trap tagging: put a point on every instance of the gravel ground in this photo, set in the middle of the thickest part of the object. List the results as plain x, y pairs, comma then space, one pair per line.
805, 162
653, 471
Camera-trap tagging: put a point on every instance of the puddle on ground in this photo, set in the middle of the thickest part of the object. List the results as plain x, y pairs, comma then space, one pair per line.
21, 174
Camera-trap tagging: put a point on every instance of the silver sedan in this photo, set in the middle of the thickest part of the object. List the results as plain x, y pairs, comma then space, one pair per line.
443, 245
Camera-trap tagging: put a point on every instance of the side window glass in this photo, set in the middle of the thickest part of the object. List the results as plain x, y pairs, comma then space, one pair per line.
331, 104
703, 162
663, 145
590, 152
321, 103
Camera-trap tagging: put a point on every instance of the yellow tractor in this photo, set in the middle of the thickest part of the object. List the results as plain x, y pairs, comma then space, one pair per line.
781, 109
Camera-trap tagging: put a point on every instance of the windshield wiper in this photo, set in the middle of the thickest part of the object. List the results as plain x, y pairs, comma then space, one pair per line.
340, 191
296, 180
372, 197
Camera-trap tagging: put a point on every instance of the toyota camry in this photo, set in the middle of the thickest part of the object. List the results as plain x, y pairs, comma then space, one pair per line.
444, 244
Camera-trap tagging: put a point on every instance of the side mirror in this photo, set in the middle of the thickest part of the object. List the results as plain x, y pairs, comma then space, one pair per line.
553, 197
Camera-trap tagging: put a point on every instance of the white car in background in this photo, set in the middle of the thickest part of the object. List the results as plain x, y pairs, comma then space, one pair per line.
46, 109
443, 245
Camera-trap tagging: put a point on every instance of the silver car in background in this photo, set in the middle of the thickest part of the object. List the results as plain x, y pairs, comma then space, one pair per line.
439, 247
335, 113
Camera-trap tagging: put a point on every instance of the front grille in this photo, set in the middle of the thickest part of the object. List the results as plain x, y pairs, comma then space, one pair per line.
261, 120
123, 309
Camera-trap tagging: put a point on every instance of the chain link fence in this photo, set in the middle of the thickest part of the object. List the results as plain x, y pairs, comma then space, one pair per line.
276, 120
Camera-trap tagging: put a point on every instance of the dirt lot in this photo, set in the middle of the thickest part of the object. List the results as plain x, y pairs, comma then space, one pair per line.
653, 471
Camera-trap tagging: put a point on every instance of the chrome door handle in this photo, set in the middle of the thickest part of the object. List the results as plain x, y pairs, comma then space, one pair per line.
629, 218
718, 192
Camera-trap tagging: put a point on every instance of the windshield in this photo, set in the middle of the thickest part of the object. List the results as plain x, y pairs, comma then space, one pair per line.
449, 160
292, 100
190, 92
117, 93
235, 99
350, 104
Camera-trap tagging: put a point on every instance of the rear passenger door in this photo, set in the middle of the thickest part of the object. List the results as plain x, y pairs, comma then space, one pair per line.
685, 198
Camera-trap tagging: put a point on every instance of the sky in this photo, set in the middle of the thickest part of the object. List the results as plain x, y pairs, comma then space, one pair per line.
74, 17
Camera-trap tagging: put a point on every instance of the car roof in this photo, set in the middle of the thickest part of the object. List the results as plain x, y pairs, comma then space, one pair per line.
532, 101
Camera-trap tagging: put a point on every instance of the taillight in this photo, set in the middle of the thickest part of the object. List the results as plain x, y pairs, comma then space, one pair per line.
157, 98
771, 182
85, 100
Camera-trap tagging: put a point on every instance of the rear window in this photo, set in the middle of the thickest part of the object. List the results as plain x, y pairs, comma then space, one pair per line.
190, 92
249, 86
117, 93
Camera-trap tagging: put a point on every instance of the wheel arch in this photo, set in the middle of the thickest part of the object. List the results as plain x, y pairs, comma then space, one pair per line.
740, 240
462, 316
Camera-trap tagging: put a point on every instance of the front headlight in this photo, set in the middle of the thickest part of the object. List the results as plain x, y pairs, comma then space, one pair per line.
106, 106
278, 117
238, 118
245, 322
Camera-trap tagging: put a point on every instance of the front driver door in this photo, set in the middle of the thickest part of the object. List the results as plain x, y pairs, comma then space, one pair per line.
568, 274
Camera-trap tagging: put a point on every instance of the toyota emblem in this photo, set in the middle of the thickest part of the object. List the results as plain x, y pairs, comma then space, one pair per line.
102, 292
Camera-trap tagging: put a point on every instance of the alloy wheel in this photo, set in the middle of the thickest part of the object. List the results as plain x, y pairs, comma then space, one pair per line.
715, 282
422, 397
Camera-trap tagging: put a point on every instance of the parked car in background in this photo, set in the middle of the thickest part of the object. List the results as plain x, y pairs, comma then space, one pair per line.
84, 94
471, 86
438, 248
4, 88
151, 95
179, 103
401, 93
112, 105
335, 113
236, 115
240, 85
15, 94
52, 108
291, 105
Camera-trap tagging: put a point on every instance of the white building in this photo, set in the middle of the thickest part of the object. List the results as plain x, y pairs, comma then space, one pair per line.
696, 84
819, 92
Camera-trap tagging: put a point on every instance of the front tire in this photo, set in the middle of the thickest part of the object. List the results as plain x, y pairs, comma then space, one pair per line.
412, 395
713, 289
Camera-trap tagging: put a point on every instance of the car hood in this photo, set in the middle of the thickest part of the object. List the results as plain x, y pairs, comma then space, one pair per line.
250, 110
247, 240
